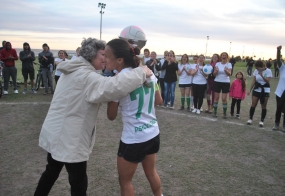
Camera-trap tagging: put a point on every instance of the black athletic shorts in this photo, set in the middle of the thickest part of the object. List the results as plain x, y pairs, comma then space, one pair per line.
28, 72
221, 86
257, 94
137, 152
184, 85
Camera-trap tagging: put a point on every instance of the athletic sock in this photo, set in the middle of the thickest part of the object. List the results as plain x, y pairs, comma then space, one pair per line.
225, 107
263, 114
182, 101
215, 105
251, 112
188, 101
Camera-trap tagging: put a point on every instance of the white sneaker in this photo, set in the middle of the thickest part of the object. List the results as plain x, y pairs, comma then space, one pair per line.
5, 92
261, 124
171, 107
201, 109
249, 122
16, 91
198, 112
33, 91
194, 110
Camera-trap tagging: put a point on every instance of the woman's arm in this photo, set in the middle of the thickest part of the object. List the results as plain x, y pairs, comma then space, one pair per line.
164, 65
112, 110
265, 79
158, 99
194, 71
278, 59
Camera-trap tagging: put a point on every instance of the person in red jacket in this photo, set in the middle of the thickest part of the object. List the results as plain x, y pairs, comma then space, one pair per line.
237, 93
9, 55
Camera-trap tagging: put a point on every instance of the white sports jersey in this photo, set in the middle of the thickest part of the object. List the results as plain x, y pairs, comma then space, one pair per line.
281, 87
184, 77
267, 74
138, 113
199, 78
222, 76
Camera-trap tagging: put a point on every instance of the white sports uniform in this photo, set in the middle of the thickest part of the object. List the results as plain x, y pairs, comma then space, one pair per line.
184, 77
138, 113
221, 75
266, 74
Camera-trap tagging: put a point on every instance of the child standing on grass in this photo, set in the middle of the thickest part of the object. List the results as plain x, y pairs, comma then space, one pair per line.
237, 93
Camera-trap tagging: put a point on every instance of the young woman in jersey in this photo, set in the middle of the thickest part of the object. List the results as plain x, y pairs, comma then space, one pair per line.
195, 60
210, 80
199, 84
61, 58
222, 72
261, 90
140, 137
171, 67
185, 81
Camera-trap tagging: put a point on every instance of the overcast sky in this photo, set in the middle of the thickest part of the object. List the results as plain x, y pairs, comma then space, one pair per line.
251, 26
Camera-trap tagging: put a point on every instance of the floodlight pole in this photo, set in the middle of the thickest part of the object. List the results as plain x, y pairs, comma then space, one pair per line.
242, 52
102, 5
206, 46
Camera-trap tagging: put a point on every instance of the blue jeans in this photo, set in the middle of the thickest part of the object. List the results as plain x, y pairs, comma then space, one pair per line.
169, 88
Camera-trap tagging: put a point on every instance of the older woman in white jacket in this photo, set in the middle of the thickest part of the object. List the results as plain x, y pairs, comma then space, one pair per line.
68, 132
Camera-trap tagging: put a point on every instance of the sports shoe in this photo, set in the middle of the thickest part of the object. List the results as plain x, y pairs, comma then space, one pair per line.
33, 91
45, 93
232, 115
16, 91
225, 116
25, 91
188, 109
198, 111
182, 108
5, 92
201, 109
249, 122
163, 106
171, 107
275, 128
237, 116
194, 110
261, 124
215, 114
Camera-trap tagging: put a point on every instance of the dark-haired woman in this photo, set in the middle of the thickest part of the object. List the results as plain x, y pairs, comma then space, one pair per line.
171, 67
222, 74
260, 88
140, 137
199, 84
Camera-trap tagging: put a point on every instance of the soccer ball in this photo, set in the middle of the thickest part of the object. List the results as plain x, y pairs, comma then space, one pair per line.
134, 35
207, 69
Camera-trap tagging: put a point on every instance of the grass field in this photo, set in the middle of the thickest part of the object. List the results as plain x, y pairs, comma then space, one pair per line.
199, 155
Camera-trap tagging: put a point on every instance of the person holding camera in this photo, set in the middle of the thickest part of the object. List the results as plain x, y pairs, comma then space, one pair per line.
261, 90
46, 60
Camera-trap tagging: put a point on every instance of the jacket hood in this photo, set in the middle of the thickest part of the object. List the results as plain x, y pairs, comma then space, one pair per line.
26, 44
68, 67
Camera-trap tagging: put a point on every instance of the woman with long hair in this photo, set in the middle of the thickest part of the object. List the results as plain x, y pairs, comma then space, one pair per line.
222, 72
140, 137
199, 84
171, 67
185, 80
210, 81
61, 58
260, 88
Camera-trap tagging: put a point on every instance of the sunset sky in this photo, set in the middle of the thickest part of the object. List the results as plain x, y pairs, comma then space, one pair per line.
253, 27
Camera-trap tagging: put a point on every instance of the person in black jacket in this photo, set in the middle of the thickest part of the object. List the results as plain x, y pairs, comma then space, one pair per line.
27, 57
249, 66
46, 60
233, 62
154, 65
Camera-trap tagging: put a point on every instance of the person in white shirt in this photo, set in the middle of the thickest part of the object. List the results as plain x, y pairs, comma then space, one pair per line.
185, 80
280, 92
199, 84
61, 58
140, 137
261, 90
146, 56
222, 72
77, 54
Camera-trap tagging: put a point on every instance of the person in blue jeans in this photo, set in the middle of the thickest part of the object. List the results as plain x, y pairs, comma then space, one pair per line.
171, 67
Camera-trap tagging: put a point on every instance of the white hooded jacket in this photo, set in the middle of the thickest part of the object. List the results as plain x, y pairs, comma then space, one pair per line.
68, 132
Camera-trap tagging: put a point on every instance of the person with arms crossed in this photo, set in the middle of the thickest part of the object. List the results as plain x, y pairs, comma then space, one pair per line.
140, 137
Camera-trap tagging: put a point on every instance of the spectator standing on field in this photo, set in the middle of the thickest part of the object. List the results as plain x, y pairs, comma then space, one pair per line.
162, 74
249, 66
276, 69
154, 65
27, 57
268, 64
3, 45
9, 55
233, 62
46, 60
146, 56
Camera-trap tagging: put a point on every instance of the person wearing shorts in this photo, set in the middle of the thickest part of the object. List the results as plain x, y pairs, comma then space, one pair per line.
28, 57
185, 80
261, 90
222, 72
140, 137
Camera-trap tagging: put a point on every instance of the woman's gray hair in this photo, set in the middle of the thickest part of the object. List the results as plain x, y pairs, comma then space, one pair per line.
90, 47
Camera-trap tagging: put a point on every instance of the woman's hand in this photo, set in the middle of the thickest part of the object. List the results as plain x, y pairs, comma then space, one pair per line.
248, 93
147, 71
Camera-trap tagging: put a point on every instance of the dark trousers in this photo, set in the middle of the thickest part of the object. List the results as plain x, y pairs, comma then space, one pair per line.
57, 77
161, 82
198, 94
76, 175
234, 102
7, 72
279, 107
276, 72
249, 70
